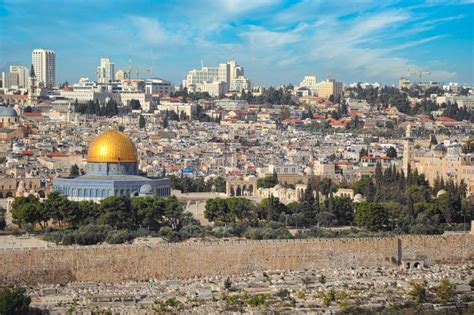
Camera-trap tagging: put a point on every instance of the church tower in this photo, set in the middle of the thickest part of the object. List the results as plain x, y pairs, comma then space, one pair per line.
32, 86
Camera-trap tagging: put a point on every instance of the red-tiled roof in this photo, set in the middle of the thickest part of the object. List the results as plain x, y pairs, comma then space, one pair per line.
56, 154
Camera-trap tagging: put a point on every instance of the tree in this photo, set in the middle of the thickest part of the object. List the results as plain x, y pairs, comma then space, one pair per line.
135, 104
29, 210
3, 222
271, 208
391, 152
174, 213
56, 205
118, 212
309, 206
74, 171
14, 301
343, 210
371, 215
150, 211
165, 122
141, 122
468, 147
268, 181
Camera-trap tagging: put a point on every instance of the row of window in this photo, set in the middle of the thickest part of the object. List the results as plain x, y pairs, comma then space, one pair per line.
104, 193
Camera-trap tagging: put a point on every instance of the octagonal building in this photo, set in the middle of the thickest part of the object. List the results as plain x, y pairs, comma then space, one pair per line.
111, 170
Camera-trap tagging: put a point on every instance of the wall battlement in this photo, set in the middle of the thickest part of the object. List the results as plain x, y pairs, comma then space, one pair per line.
115, 263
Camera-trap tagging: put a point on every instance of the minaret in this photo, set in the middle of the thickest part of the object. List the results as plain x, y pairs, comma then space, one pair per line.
408, 150
32, 86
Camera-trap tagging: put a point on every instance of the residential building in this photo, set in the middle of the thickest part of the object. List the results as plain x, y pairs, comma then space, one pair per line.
23, 73
9, 80
121, 75
158, 86
106, 71
329, 87
44, 64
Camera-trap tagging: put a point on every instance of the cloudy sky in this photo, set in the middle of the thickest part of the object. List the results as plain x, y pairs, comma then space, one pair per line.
277, 41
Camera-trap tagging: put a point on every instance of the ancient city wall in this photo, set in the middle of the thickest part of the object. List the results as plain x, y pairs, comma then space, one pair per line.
139, 262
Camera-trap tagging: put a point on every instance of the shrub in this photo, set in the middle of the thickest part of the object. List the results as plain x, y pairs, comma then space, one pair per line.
91, 234
418, 292
164, 230
444, 291
119, 237
14, 301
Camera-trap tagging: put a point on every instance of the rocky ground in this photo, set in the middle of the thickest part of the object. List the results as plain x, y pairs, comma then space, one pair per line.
437, 289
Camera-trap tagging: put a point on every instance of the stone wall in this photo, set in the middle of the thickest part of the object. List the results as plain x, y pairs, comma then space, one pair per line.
115, 263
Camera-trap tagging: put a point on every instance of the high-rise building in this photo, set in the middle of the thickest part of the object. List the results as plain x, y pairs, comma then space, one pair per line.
329, 87
44, 63
9, 80
22, 73
106, 71
121, 75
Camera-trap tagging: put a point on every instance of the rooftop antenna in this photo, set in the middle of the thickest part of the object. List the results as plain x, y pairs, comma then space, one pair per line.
202, 64
151, 67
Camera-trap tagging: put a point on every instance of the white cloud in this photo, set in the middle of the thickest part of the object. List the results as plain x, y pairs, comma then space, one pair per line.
240, 6
151, 31
265, 39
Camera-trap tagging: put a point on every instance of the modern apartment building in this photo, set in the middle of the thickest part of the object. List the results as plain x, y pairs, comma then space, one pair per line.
44, 64
106, 71
23, 73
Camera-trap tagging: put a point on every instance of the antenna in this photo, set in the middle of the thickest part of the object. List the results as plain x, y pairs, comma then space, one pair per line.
151, 67
129, 67
202, 64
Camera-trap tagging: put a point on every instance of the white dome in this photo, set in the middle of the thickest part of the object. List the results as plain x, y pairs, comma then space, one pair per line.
146, 190
441, 192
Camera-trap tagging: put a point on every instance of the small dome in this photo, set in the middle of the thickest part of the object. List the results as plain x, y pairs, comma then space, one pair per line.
441, 192
358, 198
440, 147
7, 111
277, 186
146, 190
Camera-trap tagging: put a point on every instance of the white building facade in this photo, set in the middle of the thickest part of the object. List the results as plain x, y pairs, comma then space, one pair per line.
44, 64
106, 71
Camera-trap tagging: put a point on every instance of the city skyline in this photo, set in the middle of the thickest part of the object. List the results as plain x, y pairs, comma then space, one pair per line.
276, 41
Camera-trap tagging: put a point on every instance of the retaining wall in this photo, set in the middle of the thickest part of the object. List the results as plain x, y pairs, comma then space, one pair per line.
115, 263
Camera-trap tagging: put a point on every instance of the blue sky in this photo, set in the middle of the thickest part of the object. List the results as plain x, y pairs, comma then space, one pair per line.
277, 41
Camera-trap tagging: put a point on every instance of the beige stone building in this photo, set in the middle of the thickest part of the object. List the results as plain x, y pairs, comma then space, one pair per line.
329, 87
444, 161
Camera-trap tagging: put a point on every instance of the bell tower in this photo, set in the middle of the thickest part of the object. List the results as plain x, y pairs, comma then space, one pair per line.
32, 86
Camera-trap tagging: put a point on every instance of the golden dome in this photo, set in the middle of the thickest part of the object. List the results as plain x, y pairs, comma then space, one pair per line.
112, 146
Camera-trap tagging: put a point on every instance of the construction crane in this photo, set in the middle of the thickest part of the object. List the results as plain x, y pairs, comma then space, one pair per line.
328, 76
419, 74
137, 71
